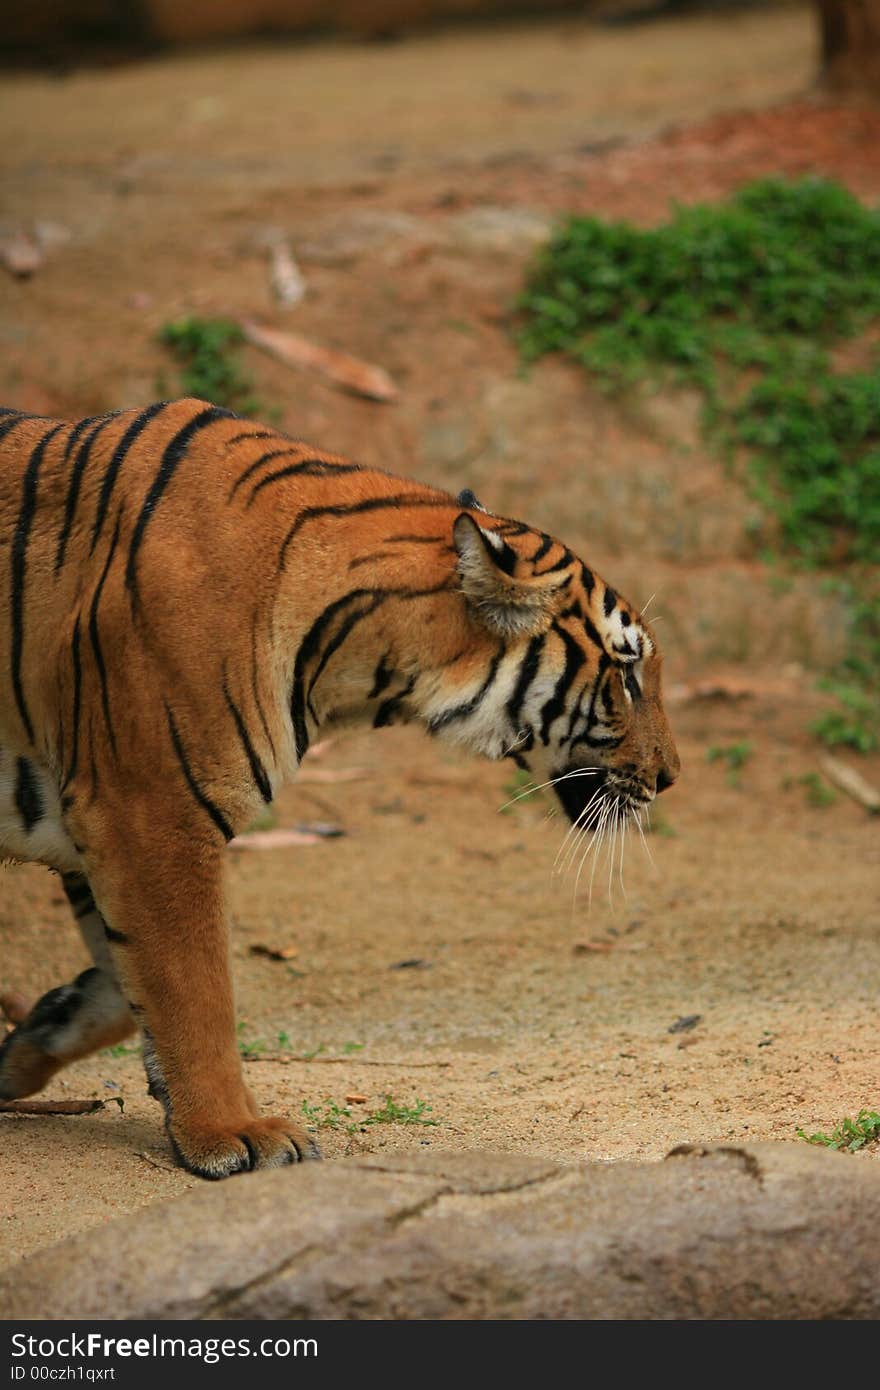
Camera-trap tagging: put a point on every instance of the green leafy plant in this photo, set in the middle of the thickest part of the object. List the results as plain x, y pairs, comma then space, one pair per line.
122, 1050
817, 790
330, 1115
742, 299
249, 1047
520, 789
745, 300
392, 1113
206, 351
851, 1135
854, 724
733, 755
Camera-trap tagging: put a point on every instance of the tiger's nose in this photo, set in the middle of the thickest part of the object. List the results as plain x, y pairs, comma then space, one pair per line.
663, 781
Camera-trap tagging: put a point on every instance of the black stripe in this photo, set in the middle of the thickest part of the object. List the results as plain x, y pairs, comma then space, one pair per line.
252, 434
369, 504
368, 559
307, 650
28, 798
258, 463
543, 548
382, 678
77, 703
555, 706
588, 580
419, 540
345, 629
256, 689
441, 721
96, 640
388, 708
609, 601
604, 663
379, 597
566, 559
9, 425
171, 458
592, 633
258, 772
19, 569
117, 937
204, 801
528, 670
76, 476
311, 642
308, 468
632, 686
137, 426
77, 889
598, 741
252, 468
78, 429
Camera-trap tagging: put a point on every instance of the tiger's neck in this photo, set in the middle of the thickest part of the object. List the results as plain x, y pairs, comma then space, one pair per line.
393, 643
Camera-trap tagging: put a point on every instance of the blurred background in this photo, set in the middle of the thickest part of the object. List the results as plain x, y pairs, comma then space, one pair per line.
616, 267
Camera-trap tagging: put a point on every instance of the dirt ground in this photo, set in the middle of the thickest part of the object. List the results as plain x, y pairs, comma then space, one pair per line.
436, 956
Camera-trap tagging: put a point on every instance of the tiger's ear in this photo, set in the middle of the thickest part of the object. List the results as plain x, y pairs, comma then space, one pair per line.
509, 605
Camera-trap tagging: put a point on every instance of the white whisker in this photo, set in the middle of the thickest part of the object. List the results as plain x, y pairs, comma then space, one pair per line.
563, 777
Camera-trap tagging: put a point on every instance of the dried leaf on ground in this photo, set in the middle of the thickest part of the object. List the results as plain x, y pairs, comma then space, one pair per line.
274, 839
288, 284
327, 775
349, 373
685, 1023
327, 830
259, 948
20, 254
851, 782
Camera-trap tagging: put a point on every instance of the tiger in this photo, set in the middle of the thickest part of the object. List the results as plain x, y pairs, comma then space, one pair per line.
189, 600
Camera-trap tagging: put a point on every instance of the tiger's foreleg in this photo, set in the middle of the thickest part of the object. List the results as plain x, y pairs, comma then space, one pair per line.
72, 1020
169, 938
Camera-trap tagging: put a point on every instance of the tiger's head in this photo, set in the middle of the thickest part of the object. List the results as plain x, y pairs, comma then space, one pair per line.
570, 681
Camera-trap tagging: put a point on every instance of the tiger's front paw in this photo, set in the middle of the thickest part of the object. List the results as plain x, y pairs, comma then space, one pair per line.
24, 1066
265, 1143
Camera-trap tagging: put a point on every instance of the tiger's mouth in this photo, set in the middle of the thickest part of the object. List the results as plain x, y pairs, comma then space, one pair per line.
579, 788
585, 791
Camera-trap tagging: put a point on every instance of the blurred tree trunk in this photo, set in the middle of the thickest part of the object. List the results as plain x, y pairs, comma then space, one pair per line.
850, 31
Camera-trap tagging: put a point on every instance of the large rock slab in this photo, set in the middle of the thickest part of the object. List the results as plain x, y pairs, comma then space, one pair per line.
763, 1231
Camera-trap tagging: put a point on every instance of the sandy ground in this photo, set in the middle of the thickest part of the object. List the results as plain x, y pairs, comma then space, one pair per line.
437, 958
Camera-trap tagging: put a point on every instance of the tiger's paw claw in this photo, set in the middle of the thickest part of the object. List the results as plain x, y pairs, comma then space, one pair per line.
256, 1144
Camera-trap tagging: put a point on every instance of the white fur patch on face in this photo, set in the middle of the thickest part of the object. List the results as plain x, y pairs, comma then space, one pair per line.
625, 638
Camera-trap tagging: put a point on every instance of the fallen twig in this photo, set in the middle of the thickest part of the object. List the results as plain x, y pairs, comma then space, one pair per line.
52, 1107
851, 782
154, 1163
350, 373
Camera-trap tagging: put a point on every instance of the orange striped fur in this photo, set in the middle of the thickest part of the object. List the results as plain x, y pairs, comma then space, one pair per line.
189, 600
